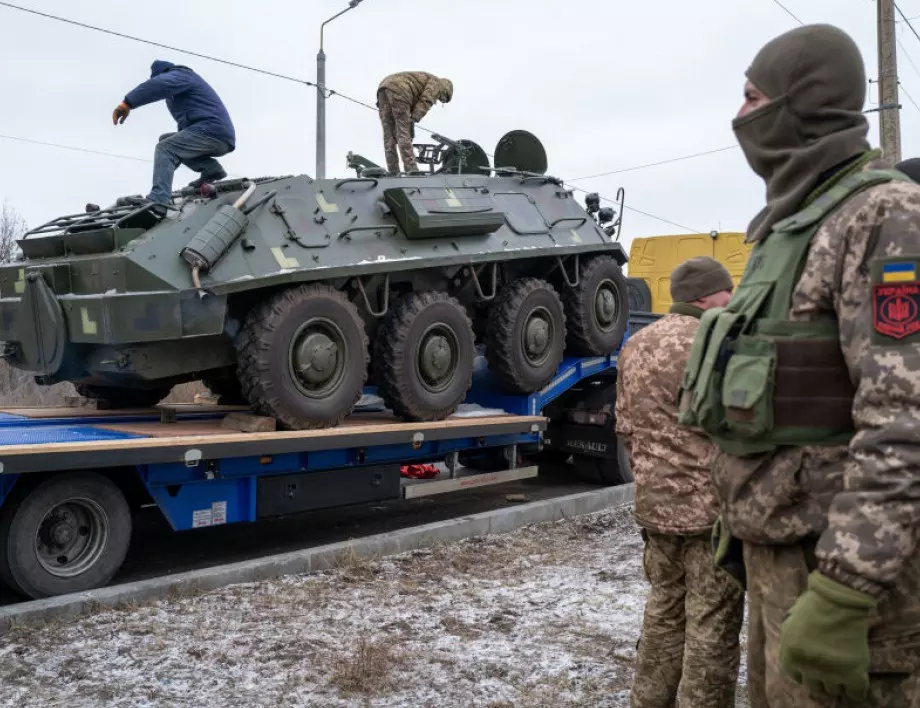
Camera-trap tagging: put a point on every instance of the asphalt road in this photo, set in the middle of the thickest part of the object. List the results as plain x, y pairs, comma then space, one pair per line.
157, 550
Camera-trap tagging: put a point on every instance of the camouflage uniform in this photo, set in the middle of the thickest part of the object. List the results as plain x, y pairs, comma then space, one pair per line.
693, 613
403, 99
849, 512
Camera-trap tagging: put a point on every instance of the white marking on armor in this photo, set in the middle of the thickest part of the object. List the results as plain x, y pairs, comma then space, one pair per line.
452, 200
283, 260
327, 207
89, 326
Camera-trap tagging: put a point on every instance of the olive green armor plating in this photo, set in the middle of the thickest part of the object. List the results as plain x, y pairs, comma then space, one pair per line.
291, 294
756, 379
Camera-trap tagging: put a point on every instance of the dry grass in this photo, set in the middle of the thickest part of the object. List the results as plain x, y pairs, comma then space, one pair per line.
369, 669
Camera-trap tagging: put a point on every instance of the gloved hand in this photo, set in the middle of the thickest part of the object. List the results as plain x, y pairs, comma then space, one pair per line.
824, 640
121, 111
727, 553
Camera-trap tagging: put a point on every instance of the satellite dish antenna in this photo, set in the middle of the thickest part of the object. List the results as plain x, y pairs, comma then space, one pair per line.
522, 151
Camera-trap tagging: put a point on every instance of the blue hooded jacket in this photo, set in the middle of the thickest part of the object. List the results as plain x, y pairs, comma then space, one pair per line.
189, 98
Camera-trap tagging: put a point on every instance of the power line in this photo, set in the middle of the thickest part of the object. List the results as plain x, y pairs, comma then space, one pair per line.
906, 20
71, 147
639, 211
909, 97
655, 164
789, 12
157, 44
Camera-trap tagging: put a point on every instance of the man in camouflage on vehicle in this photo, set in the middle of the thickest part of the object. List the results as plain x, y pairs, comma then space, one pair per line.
403, 99
694, 612
809, 382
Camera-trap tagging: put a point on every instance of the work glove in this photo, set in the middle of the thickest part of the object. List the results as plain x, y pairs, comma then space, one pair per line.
121, 111
728, 554
824, 640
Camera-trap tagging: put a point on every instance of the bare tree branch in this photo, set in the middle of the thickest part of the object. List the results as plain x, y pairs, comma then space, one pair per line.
12, 226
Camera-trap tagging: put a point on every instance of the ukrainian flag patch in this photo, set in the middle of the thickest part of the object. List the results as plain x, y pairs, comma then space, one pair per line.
899, 272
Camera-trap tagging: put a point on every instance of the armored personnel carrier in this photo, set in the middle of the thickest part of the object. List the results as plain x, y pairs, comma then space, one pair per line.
292, 294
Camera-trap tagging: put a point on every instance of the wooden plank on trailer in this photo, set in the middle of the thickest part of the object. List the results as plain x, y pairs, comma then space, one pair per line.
426, 488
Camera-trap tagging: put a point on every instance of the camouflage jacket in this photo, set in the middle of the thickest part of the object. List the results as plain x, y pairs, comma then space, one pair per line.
862, 500
417, 88
674, 492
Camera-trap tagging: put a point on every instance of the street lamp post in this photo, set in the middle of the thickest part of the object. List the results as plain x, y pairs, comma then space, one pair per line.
321, 95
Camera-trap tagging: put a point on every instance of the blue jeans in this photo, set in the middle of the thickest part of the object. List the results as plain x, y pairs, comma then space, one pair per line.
194, 150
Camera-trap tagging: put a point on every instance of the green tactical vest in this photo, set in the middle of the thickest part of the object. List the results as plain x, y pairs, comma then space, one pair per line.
756, 379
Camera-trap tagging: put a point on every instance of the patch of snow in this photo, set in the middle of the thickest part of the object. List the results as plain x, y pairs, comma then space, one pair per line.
546, 616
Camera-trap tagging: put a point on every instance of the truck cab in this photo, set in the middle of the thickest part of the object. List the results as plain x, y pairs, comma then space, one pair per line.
651, 260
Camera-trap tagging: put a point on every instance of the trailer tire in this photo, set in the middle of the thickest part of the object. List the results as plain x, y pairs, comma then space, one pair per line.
604, 470
91, 518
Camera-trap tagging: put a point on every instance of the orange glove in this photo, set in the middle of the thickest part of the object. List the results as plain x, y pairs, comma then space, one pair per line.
122, 112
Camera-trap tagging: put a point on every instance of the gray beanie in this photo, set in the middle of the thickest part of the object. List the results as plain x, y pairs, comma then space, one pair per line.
699, 277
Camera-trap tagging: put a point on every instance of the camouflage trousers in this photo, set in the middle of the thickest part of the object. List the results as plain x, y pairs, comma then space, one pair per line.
396, 119
689, 648
776, 576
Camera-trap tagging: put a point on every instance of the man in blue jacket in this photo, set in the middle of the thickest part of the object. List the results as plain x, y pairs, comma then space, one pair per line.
205, 128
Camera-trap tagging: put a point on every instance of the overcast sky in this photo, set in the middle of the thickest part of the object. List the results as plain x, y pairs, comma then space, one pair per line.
605, 85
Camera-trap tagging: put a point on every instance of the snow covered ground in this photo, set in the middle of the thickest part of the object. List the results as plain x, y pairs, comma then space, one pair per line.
546, 616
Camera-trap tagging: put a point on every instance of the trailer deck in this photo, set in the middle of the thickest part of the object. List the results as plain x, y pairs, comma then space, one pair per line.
69, 475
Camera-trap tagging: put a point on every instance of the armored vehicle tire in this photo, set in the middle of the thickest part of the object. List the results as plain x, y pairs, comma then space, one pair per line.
123, 397
423, 356
68, 534
597, 308
303, 357
525, 337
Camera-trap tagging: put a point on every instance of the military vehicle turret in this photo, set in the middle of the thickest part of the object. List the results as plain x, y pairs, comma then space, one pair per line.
293, 294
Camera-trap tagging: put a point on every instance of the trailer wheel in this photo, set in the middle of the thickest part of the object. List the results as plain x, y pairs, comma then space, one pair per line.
423, 356
123, 397
303, 357
602, 470
597, 308
525, 337
68, 534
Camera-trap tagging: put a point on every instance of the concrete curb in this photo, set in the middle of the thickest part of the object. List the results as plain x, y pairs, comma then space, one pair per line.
499, 521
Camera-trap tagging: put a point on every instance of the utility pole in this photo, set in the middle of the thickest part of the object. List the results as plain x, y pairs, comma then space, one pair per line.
321, 95
889, 109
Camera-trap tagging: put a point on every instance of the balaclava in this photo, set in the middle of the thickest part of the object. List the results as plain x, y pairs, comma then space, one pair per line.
816, 80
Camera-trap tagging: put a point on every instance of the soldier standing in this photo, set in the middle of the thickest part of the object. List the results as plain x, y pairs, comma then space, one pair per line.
403, 99
809, 382
694, 612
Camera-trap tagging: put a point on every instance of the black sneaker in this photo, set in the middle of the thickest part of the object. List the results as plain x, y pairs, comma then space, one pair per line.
216, 177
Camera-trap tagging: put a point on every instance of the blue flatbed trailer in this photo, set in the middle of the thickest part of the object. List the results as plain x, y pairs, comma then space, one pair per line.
70, 477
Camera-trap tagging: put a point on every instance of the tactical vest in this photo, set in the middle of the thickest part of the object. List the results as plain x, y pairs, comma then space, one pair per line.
756, 379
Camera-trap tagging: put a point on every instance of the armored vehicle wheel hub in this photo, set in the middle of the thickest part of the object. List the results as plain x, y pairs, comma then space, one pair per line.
605, 305
437, 359
318, 357
71, 538
538, 334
